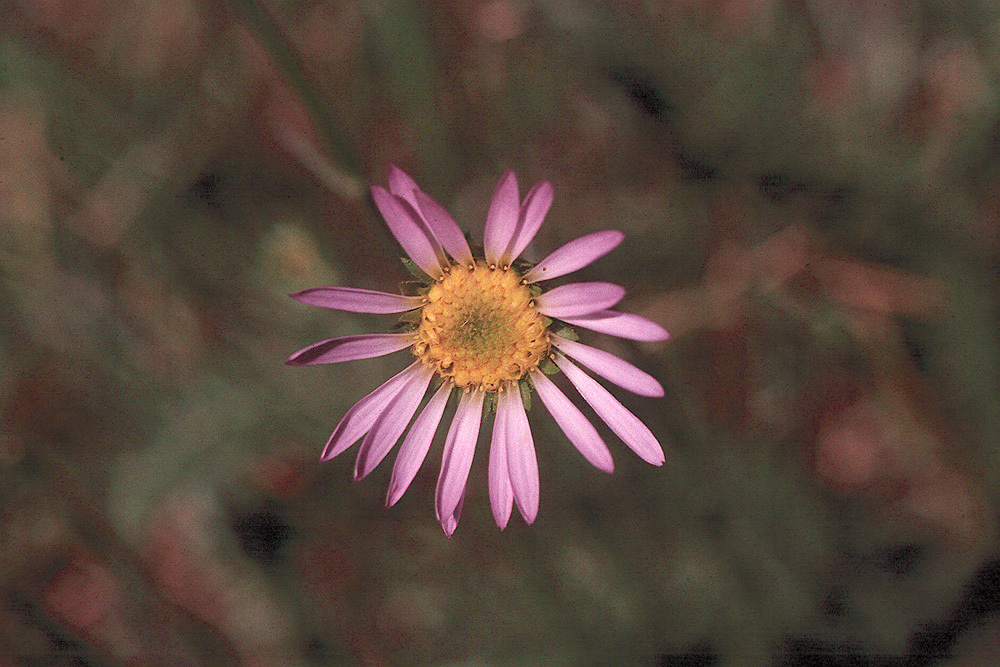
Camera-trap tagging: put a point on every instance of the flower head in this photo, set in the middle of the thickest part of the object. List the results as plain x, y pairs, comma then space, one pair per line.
481, 327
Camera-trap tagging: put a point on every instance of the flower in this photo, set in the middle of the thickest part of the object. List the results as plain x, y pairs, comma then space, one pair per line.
483, 328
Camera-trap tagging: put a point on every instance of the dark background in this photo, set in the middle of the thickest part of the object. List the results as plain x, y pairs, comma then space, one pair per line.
810, 191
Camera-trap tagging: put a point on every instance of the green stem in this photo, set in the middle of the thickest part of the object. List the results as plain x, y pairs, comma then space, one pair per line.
285, 58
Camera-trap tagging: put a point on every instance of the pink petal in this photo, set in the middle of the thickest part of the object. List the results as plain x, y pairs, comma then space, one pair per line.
501, 220
355, 300
414, 448
459, 448
578, 299
349, 348
391, 423
622, 325
501, 493
450, 522
521, 461
445, 228
533, 212
574, 424
575, 255
405, 224
610, 367
402, 185
626, 425
362, 416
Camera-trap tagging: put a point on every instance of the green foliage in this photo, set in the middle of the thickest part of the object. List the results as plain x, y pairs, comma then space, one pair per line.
416, 271
525, 388
548, 367
567, 333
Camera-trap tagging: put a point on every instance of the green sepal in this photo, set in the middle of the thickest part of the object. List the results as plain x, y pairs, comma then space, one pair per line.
567, 333
491, 402
413, 287
535, 291
522, 266
411, 317
478, 252
547, 322
548, 367
525, 390
416, 271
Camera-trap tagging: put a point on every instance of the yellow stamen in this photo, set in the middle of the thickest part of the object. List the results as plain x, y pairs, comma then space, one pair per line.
480, 328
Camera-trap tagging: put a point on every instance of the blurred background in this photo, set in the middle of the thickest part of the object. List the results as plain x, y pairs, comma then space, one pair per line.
811, 195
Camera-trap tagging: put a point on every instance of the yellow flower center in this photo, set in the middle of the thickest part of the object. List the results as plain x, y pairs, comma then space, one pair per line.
480, 328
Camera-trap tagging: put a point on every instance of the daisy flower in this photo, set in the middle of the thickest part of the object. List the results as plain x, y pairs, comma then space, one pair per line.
481, 327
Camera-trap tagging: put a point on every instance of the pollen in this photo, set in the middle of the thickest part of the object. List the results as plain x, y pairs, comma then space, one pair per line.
480, 329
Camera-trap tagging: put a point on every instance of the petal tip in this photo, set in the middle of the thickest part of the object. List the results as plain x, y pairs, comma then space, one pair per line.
605, 464
654, 332
296, 358
529, 517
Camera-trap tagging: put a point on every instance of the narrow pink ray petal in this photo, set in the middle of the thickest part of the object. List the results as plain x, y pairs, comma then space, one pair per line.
575, 255
536, 207
405, 224
459, 448
349, 348
622, 325
501, 220
445, 228
578, 299
574, 424
450, 523
354, 300
521, 460
360, 418
402, 185
610, 367
413, 451
626, 425
501, 492
391, 423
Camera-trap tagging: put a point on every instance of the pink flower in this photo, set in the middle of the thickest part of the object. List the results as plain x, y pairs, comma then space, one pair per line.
483, 326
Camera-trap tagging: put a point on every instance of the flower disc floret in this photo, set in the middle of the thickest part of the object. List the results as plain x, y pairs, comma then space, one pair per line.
480, 328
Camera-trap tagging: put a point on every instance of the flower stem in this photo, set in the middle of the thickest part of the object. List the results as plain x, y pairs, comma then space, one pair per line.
265, 27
